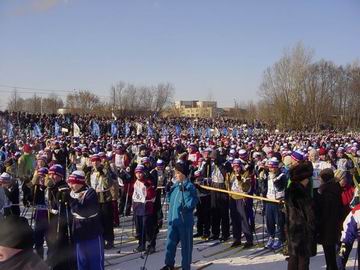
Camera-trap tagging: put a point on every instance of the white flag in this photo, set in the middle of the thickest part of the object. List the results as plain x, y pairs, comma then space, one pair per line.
76, 130
113, 116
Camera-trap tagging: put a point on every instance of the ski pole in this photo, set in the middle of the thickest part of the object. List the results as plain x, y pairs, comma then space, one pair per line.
123, 223
58, 223
33, 206
68, 222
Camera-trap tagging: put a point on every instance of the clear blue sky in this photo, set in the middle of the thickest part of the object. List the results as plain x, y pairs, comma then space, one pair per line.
205, 48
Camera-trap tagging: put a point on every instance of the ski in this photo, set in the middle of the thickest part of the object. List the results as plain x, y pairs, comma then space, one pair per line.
220, 252
209, 246
204, 266
263, 252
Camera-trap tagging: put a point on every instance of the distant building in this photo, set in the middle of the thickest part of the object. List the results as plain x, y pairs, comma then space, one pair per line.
195, 108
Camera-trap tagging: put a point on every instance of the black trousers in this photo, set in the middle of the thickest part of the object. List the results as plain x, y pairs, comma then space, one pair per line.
220, 214
298, 263
106, 218
240, 222
145, 227
203, 215
330, 257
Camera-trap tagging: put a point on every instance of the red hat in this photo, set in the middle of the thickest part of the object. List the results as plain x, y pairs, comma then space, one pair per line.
322, 151
77, 177
95, 158
27, 148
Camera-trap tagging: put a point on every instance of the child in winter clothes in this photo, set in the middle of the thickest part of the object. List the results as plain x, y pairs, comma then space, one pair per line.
143, 204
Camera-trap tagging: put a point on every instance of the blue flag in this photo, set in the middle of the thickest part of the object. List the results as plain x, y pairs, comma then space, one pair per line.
177, 130
165, 131
56, 129
37, 130
114, 129
127, 129
235, 132
208, 132
95, 129
10, 130
225, 131
200, 131
150, 131
191, 131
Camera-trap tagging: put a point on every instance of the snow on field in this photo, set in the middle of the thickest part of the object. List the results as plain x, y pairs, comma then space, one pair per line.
232, 259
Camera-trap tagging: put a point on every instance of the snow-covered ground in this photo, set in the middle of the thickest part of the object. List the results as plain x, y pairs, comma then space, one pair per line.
202, 258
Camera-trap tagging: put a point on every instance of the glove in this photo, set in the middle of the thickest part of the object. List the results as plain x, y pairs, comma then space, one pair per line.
342, 250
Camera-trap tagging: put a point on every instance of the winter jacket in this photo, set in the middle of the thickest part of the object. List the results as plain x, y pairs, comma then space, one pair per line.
25, 260
329, 213
300, 221
85, 211
143, 197
183, 200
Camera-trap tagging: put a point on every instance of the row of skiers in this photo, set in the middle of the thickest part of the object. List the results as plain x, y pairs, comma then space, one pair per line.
246, 174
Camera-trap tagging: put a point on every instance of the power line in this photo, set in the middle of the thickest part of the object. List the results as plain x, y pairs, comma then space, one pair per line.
37, 89
40, 91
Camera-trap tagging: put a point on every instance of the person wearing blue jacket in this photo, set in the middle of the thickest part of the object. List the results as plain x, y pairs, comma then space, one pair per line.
87, 228
182, 200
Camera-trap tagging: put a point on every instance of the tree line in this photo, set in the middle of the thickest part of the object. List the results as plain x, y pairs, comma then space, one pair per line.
124, 99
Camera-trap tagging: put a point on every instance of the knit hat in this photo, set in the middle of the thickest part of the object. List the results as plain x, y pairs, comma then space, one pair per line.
237, 163
5, 178
145, 160
77, 177
16, 233
160, 163
43, 171
27, 148
95, 158
297, 155
273, 163
322, 151
182, 167
139, 168
57, 169
243, 154
327, 174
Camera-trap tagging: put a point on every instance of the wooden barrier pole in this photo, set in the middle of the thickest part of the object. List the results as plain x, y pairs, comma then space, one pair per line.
241, 194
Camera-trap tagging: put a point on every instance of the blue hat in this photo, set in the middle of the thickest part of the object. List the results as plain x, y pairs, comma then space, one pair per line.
297, 155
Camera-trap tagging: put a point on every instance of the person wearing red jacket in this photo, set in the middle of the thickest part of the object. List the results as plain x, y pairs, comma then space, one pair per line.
143, 205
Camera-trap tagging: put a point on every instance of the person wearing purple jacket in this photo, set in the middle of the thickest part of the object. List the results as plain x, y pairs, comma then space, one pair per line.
87, 228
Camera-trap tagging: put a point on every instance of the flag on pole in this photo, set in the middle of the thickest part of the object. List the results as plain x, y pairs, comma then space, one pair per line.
37, 130
76, 130
10, 130
127, 129
113, 116
191, 131
56, 129
208, 132
200, 131
114, 129
225, 131
138, 128
235, 132
177, 130
95, 129
150, 131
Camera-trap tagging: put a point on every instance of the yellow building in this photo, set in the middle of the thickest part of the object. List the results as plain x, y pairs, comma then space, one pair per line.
195, 108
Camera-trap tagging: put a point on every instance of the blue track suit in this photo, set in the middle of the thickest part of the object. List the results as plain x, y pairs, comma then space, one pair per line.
183, 200
87, 231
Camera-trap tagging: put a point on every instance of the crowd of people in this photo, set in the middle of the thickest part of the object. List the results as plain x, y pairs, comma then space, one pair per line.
77, 188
